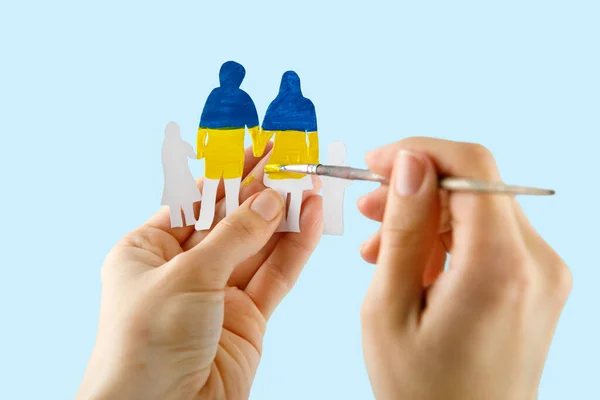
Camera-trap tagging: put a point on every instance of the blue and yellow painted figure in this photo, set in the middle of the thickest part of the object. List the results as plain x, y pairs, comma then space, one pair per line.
227, 112
292, 119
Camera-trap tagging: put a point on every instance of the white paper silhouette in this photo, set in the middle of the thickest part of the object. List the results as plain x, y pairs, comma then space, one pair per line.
333, 192
294, 187
180, 190
209, 197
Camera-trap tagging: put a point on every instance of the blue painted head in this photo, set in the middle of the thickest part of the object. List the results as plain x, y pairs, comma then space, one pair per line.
290, 83
231, 75
228, 106
290, 111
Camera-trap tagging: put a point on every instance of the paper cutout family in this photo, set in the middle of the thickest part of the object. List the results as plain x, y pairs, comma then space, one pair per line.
290, 121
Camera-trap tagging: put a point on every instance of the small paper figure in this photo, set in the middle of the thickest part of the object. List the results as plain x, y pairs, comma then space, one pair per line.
333, 192
227, 113
291, 117
180, 190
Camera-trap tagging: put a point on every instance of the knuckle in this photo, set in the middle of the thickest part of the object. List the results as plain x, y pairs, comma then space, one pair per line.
402, 233
561, 281
239, 230
564, 281
403, 226
377, 305
187, 274
517, 285
508, 284
278, 275
369, 311
481, 156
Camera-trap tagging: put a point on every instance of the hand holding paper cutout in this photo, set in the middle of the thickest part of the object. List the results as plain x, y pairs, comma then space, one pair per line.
482, 328
184, 312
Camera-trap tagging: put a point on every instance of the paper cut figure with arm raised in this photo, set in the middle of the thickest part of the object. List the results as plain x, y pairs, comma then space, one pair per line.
180, 190
333, 192
292, 119
227, 113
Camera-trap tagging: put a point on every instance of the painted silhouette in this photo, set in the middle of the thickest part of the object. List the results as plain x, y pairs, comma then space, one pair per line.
227, 113
333, 192
292, 119
180, 190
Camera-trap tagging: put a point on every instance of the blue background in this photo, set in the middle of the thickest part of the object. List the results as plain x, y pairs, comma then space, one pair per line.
86, 89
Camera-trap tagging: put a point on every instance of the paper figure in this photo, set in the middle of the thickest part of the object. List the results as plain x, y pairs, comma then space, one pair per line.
292, 119
180, 190
227, 113
333, 192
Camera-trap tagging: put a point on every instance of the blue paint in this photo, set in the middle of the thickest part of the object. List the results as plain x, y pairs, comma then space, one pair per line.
290, 111
228, 106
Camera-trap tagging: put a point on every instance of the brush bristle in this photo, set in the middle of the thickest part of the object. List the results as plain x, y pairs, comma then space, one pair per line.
272, 168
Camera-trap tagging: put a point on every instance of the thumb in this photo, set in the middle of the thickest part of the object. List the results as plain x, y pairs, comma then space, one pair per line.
234, 239
408, 234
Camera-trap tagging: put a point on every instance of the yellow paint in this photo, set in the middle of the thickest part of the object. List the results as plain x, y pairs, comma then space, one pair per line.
260, 139
292, 147
271, 168
223, 151
248, 180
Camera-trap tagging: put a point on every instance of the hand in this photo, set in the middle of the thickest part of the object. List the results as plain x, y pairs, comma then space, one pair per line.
183, 313
482, 328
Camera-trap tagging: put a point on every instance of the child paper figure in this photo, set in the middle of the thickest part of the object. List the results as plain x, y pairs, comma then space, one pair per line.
180, 190
291, 117
333, 192
227, 113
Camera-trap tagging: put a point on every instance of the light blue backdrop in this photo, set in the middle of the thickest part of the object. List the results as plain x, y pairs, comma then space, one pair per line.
86, 89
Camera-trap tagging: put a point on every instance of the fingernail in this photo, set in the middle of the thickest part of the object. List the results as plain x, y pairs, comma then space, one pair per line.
268, 205
410, 173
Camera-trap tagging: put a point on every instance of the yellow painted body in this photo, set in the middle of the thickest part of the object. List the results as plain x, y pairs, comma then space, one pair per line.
223, 151
289, 147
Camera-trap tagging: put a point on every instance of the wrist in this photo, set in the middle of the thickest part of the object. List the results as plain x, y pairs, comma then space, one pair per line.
104, 379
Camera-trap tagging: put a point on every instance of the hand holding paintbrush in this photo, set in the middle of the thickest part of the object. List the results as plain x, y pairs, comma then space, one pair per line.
481, 300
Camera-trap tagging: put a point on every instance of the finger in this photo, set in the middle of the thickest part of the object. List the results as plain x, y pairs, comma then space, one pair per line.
372, 205
243, 273
236, 238
370, 248
249, 188
408, 235
369, 251
257, 185
162, 219
435, 267
276, 277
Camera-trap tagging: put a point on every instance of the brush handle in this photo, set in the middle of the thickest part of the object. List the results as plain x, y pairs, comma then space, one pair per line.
353, 174
447, 183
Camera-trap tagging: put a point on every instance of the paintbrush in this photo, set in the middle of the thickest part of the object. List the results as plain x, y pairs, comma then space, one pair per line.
448, 183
